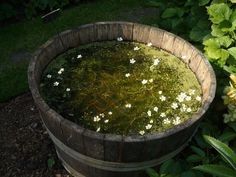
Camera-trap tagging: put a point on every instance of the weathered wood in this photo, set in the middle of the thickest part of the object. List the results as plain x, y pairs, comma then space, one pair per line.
141, 33
94, 144
103, 155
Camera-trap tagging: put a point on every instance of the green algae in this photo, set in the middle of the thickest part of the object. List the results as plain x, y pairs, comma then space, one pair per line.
102, 97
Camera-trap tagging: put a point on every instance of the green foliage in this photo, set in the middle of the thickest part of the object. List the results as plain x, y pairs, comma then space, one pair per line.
218, 170
228, 155
224, 150
185, 18
220, 46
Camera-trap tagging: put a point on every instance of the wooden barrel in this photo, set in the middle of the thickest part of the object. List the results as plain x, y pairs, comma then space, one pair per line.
87, 153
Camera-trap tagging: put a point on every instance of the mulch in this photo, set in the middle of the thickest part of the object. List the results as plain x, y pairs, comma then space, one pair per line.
25, 147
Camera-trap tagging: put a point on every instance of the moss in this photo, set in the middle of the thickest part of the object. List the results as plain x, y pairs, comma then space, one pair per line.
98, 86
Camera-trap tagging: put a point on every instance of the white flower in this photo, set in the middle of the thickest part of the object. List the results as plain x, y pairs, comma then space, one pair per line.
198, 98
148, 126
160, 92
56, 84
163, 114
96, 119
156, 62
162, 98
149, 113
127, 74
176, 121
191, 92
149, 44
98, 129
189, 110
67, 89
61, 71
102, 115
79, 56
181, 97
106, 121
166, 121
174, 105
141, 132
110, 113
155, 109
128, 105
151, 121
144, 81
184, 56
132, 61
150, 80
188, 98
183, 108
136, 48
119, 39
49, 76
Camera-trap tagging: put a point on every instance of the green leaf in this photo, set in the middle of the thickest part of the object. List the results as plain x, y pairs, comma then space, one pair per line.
233, 18
218, 170
216, 31
233, 1
172, 12
194, 158
203, 2
226, 26
51, 162
232, 125
188, 174
214, 51
152, 173
197, 34
232, 51
198, 151
219, 12
225, 151
224, 41
167, 166
227, 136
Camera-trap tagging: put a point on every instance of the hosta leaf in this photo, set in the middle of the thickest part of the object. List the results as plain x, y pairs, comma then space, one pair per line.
172, 12
225, 151
217, 170
219, 12
232, 51
203, 2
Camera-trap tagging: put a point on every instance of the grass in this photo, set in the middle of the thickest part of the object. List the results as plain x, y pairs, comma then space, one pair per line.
30, 34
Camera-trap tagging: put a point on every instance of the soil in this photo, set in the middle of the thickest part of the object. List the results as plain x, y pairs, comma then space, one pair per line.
25, 145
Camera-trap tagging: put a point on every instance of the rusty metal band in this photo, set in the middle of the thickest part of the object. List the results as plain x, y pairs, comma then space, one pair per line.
110, 166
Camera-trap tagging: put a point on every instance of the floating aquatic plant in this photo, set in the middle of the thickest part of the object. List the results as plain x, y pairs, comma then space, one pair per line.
121, 88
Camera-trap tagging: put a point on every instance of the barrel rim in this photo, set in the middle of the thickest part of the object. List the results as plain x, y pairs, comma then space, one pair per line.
43, 106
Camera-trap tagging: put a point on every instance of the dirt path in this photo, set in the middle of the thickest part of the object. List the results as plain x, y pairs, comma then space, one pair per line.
24, 143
